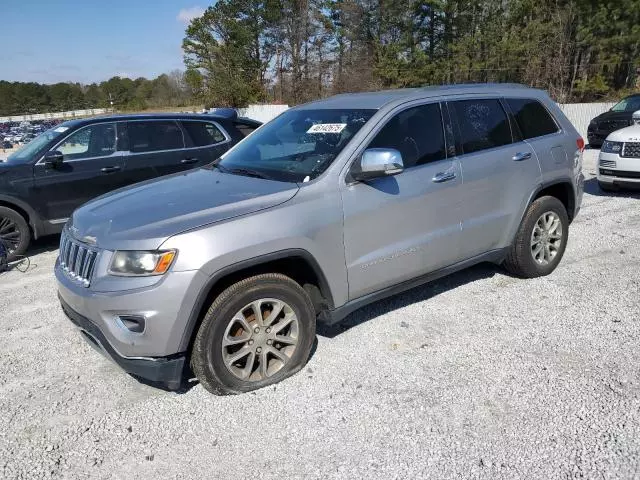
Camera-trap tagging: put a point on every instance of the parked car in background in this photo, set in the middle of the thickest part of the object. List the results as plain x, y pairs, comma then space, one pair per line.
619, 116
43, 182
330, 206
619, 161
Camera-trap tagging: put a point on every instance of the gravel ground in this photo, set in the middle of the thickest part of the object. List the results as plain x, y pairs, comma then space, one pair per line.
479, 375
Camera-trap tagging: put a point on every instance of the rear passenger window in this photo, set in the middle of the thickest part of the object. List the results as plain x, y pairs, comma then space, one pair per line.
154, 136
533, 119
483, 124
417, 133
203, 133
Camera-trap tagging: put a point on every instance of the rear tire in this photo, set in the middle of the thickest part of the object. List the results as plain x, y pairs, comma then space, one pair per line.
541, 239
608, 187
14, 233
238, 350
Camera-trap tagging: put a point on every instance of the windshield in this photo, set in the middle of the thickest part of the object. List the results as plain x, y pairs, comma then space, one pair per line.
629, 104
27, 151
297, 146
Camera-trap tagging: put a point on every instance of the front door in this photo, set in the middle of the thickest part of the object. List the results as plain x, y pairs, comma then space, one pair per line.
397, 228
91, 167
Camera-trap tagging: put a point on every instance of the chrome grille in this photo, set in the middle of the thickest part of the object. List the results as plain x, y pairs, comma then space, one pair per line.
631, 150
608, 163
77, 260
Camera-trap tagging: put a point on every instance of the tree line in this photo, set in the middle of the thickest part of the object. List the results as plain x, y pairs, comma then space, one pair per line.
292, 51
167, 90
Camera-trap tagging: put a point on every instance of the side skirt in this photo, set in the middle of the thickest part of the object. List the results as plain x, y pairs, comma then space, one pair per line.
331, 317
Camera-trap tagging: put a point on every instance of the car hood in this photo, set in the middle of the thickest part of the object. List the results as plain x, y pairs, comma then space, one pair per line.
628, 134
143, 216
609, 115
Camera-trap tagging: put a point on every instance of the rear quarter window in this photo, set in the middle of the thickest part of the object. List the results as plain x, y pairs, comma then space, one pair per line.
245, 129
203, 133
532, 117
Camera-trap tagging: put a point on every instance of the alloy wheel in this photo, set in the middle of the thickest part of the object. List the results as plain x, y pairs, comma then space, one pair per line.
9, 234
260, 339
546, 238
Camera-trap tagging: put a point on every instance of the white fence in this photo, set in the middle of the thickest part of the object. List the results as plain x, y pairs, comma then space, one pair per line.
262, 113
580, 114
56, 115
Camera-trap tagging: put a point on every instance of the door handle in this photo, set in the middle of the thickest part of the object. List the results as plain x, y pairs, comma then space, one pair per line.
443, 177
520, 156
110, 169
187, 161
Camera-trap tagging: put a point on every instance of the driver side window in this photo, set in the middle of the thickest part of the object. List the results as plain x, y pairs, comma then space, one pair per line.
417, 133
98, 140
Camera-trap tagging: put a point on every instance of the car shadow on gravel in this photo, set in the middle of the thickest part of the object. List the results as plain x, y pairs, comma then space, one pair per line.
47, 244
592, 188
415, 295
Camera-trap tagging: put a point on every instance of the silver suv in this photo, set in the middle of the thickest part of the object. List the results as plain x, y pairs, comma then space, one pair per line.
224, 271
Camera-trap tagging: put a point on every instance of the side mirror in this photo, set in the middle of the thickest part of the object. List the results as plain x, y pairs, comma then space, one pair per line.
53, 159
635, 118
378, 162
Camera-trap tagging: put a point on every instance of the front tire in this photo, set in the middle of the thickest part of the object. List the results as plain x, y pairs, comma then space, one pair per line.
14, 233
258, 332
541, 239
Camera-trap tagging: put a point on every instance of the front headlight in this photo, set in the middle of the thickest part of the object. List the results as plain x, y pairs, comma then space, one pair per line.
611, 147
141, 264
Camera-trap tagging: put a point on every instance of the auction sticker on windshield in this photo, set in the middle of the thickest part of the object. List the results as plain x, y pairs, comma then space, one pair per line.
327, 128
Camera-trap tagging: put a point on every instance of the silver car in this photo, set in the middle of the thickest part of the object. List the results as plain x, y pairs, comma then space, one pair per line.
224, 271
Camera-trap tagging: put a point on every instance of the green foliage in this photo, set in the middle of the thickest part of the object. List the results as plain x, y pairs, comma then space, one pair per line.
297, 50
167, 90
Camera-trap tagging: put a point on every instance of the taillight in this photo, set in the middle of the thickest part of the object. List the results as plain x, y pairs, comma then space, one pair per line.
580, 143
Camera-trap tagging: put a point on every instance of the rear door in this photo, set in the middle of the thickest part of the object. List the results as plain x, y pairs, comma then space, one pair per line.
154, 148
498, 174
205, 141
539, 129
399, 227
92, 166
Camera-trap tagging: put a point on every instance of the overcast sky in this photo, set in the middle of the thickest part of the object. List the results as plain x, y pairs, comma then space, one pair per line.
86, 41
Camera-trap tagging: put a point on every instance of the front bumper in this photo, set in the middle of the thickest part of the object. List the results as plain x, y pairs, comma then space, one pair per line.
167, 371
616, 170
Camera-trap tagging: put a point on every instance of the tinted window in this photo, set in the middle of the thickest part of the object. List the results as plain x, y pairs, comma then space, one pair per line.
483, 124
203, 133
245, 129
417, 133
532, 118
97, 140
154, 136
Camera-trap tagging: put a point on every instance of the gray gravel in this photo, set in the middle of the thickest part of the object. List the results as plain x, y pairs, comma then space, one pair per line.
479, 375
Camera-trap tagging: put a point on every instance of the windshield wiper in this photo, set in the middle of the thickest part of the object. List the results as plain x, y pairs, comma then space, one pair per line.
247, 172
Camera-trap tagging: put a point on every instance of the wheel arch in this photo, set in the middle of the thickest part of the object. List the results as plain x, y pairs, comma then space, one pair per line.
297, 264
562, 189
31, 217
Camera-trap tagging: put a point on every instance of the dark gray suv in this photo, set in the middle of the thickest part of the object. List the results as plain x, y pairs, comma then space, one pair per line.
223, 271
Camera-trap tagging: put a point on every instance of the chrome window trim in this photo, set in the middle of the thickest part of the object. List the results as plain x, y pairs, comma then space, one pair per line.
185, 148
120, 153
114, 154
